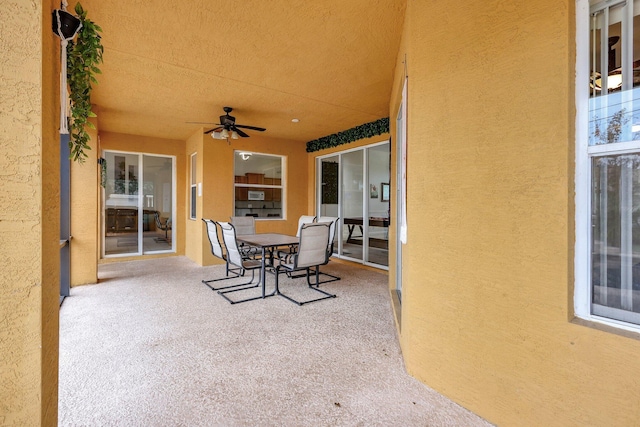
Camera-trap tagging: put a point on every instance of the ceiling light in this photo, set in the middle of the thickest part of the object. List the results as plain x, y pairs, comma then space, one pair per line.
216, 135
614, 80
224, 134
234, 135
295, 120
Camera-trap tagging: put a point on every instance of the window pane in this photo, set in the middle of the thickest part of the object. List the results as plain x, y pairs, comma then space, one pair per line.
616, 237
157, 198
258, 185
192, 195
379, 207
121, 203
614, 73
194, 162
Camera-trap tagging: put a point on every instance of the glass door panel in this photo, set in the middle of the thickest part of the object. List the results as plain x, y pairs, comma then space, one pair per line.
352, 207
377, 235
157, 203
329, 191
138, 189
121, 204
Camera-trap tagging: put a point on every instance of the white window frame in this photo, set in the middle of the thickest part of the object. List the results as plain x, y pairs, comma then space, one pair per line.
282, 186
193, 195
584, 153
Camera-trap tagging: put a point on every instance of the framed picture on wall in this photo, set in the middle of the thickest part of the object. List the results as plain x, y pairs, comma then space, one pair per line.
384, 192
373, 190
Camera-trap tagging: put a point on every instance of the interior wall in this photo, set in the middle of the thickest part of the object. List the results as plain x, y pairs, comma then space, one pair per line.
143, 144
378, 162
487, 316
218, 182
29, 206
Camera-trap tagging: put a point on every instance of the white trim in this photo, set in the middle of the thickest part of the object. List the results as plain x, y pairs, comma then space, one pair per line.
582, 294
174, 225
283, 184
365, 196
584, 153
403, 228
193, 182
613, 149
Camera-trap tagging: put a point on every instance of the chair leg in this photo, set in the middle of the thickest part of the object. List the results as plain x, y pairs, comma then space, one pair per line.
314, 287
253, 273
236, 272
333, 278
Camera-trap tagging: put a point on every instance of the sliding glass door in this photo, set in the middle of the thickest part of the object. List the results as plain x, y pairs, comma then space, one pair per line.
377, 236
351, 212
354, 185
139, 204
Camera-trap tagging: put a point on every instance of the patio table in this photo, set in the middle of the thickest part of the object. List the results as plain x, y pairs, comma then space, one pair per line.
267, 242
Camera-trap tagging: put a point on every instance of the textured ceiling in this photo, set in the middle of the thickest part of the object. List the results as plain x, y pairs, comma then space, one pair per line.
328, 63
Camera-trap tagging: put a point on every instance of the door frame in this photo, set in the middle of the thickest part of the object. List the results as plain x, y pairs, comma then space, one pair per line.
365, 196
140, 207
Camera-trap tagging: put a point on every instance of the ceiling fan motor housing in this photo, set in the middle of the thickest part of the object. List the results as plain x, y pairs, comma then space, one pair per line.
227, 120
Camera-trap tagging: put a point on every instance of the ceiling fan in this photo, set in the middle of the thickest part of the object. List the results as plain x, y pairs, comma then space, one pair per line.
228, 126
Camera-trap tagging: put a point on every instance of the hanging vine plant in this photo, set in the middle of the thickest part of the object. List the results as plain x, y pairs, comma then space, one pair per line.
366, 130
83, 56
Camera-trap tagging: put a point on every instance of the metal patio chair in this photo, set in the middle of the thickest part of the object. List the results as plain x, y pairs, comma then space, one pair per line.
245, 225
333, 225
236, 259
218, 252
312, 252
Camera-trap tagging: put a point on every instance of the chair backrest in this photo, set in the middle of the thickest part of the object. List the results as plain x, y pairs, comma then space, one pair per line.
244, 224
158, 222
304, 219
212, 233
333, 223
313, 245
229, 237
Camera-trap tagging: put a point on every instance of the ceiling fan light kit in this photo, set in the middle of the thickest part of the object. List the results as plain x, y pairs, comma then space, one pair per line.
228, 127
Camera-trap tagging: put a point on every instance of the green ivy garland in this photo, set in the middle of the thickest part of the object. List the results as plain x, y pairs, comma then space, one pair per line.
83, 55
103, 172
366, 130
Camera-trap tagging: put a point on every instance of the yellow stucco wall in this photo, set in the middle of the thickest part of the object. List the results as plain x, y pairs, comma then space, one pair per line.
29, 194
149, 145
85, 212
218, 180
488, 281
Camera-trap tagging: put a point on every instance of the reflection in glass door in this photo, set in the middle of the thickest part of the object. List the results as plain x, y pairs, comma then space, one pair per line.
352, 204
139, 204
328, 193
157, 204
377, 242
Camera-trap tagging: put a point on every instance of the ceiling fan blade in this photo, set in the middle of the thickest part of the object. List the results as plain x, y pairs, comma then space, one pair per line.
239, 132
213, 130
250, 127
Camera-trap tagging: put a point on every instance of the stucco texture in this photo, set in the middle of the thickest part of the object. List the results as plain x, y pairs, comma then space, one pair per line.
85, 204
29, 260
487, 291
